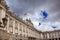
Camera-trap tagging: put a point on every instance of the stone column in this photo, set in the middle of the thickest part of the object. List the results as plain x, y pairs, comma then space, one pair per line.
22, 28
0, 14
22, 32
8, 25
18, 28
13, 26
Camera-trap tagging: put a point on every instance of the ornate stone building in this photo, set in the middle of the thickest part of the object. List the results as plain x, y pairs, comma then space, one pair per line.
51, 35
14, 28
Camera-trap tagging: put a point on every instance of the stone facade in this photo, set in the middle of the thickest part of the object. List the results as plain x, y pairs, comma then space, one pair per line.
51, 35
18, 29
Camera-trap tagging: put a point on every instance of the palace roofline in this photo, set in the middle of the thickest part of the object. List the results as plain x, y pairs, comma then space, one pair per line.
5, 6
51, 31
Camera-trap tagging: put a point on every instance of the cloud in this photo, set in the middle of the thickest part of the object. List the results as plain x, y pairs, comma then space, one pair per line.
34, 7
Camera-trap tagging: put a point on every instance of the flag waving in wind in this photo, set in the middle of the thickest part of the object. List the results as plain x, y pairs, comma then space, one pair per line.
54, 27
44, 14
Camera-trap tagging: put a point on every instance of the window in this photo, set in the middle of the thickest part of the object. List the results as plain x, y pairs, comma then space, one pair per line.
45, 36
23, 28
20, 35
11, 22
0, 8
11, 25
16, 25
59, 34
16, 34
27, 29
20, 27
16, 28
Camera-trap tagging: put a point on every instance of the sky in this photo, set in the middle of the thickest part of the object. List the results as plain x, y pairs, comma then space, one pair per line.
33, 10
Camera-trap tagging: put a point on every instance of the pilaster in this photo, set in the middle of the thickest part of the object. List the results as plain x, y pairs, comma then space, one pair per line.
7, 25
14, 27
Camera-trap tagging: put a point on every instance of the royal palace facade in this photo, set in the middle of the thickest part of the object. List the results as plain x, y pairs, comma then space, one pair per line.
14, 28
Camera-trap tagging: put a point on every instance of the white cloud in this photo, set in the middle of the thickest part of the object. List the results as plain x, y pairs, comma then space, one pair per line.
45, 25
